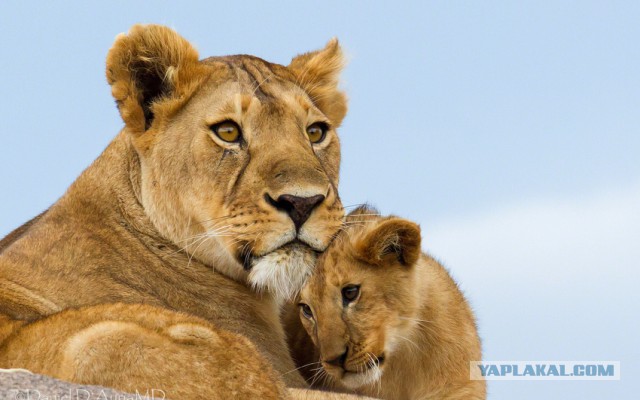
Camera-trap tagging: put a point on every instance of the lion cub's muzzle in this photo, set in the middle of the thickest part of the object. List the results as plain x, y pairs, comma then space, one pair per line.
356, 370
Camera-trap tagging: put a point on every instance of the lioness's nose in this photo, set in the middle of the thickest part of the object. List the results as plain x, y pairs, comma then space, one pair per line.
298, 208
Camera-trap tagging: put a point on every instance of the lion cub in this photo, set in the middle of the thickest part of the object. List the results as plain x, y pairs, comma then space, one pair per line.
384, 319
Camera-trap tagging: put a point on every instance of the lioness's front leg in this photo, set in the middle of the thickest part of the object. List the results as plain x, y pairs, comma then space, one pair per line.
140, 348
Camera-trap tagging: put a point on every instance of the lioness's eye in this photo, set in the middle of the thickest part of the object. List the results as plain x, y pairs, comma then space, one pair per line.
306, 310
350, 293
228, 131
317, 132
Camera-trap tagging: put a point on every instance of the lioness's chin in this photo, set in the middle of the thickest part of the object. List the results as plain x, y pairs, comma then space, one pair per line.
283, 271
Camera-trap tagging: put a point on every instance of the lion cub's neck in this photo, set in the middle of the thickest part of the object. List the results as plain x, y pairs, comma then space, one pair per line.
406, 363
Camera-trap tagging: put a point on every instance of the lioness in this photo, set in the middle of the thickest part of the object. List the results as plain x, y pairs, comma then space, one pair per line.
212, 201
381, 318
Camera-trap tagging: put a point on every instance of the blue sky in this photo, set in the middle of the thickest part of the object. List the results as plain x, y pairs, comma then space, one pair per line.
509, 130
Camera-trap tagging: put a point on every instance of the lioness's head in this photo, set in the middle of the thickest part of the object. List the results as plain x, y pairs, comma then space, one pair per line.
239, 157
360, 302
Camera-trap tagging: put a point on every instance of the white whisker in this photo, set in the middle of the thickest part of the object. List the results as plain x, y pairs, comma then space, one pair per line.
306, 365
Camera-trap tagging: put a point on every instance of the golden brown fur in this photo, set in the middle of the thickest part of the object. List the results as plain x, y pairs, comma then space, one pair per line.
409, 334
122, 345
173, 217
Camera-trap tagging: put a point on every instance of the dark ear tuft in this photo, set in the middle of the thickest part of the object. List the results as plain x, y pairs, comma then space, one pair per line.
390, 240
317, 72
149, 64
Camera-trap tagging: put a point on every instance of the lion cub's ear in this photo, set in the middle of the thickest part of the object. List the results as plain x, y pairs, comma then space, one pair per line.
317, 73
390, 240
149, 64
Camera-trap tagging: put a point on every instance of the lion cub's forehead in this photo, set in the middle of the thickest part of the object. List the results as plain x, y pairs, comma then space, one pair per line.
340, 263
337, 266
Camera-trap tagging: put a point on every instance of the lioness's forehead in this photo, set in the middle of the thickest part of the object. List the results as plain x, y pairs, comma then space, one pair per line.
245, 81
263, 79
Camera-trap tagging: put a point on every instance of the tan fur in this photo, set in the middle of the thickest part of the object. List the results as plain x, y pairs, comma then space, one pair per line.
409, 311
126, 346
168, 215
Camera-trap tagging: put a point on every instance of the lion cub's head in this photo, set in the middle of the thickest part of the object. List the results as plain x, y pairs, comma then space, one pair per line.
238, 157
359, 303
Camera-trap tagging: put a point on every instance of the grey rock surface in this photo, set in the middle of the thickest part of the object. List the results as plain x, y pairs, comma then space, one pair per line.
22, 385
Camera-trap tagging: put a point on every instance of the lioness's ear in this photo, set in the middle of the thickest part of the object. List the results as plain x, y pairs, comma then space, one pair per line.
149, 64
390, 240
317, 73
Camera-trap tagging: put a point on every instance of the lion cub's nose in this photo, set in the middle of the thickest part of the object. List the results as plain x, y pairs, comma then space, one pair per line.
298, 208
339, 361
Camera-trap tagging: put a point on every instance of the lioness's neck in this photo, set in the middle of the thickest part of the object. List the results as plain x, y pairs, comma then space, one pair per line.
111, 186
99, 230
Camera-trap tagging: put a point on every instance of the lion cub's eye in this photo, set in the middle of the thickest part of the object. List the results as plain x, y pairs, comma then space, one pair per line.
228, 131
350, 293
317, 132
306, 310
